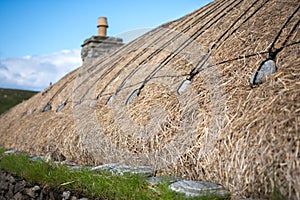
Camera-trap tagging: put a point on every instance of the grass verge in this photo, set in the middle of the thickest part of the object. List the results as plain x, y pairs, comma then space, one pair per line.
94, 185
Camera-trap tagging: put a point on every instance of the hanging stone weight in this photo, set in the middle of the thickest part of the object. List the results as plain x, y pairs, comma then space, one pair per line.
76, 105
133, 95
61, 107
267, 68
110, 98
183, 86
46, 108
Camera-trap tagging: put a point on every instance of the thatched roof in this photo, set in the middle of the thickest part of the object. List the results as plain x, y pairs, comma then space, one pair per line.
179, 98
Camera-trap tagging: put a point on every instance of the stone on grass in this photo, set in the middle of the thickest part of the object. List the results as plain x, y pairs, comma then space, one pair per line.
105, 167
10, 151
80, 168
120, 169
161, 179
145, 171
198, 188
36, 158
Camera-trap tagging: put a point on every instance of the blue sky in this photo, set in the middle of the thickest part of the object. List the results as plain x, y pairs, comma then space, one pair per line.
40, 39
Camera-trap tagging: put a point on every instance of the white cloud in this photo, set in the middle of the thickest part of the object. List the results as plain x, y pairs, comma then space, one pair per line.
36, 72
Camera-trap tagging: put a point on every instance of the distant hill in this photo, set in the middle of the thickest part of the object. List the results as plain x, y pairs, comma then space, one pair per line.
11, 97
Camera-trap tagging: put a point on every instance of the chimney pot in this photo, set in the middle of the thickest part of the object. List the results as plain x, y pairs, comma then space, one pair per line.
102, 26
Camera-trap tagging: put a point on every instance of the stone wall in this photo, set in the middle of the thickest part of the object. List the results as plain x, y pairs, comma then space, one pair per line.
99, 45
13, 187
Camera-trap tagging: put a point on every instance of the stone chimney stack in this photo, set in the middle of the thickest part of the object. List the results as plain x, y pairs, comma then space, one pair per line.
102, 26
96, 46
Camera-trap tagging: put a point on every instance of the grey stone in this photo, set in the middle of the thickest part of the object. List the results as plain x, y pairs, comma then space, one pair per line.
97, 46
183, 86
160, 179
41, 196
46, 108
36, 158
18, 196
73, 198
251, 199
36, 188
11, 179
30, 192
110, 98
61, 107
66, 195
80, 168
11, 190
4, 185
10, 151
67, 163
54, 195
197, 188
133, 95
105, 167
146, 171
19, 186
123, 169
267, 68
51, 196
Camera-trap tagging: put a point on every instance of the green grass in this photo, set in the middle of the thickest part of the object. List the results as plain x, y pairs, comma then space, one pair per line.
10, 97
95, 185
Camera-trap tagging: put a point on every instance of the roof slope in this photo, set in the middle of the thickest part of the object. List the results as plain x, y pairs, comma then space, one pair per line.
179, 98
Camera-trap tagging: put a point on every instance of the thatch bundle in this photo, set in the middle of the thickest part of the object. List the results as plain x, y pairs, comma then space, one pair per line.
179, 98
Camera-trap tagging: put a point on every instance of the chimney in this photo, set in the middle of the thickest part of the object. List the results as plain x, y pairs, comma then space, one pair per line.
102, 26
96, 46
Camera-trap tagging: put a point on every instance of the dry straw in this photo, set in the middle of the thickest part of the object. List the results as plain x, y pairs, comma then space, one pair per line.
219, 129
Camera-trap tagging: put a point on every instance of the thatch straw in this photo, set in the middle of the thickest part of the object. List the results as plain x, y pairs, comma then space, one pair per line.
218, 129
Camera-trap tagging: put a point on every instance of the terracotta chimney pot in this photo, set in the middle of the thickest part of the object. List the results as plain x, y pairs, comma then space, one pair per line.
102, 26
